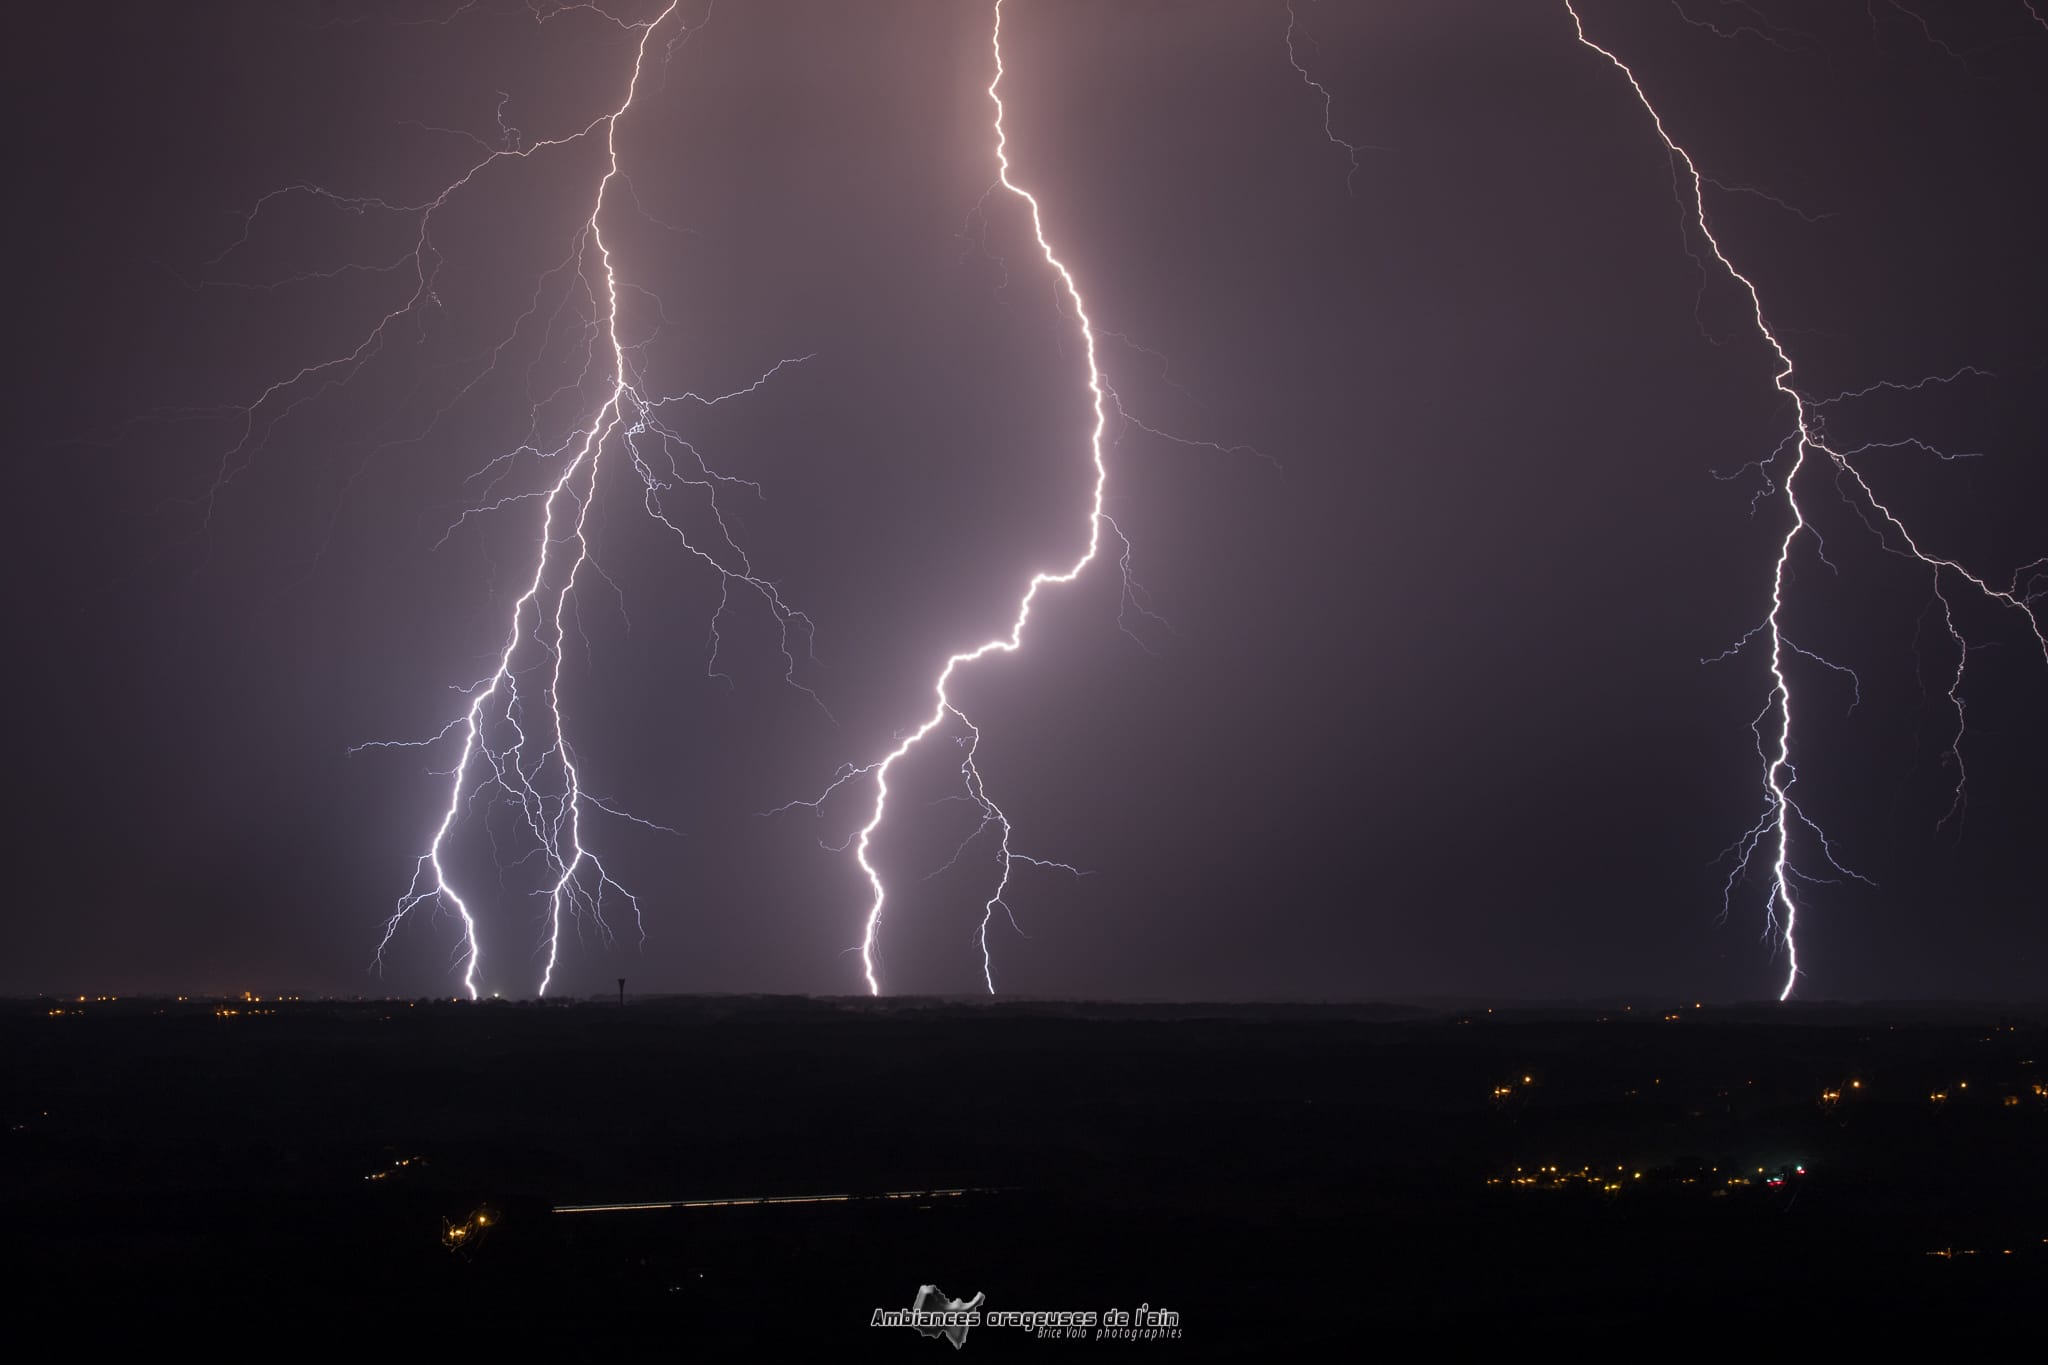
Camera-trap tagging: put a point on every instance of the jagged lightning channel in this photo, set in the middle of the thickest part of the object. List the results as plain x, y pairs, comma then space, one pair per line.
1782, 815
943, 705
1351, 149
513, 733
547, 826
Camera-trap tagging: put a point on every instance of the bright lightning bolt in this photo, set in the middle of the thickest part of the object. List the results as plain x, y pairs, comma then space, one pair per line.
547, 824
943, 705
512, 737
1782, 816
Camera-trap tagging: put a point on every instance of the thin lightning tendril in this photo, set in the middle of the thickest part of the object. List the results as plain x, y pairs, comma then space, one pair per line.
1351, 149
1754, 25
1774, 831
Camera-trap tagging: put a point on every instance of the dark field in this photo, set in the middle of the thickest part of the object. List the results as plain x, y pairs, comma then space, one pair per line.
1278, 1177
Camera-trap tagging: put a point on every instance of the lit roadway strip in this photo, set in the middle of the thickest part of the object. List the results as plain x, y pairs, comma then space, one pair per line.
740, 1203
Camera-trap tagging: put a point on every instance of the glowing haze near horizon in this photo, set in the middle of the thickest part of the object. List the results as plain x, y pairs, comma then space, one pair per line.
1221, 500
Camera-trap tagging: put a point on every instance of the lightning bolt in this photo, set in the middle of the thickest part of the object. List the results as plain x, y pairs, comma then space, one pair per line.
944, 707
942, 702
512, 738
1927, 32
1773, 833
1351, 149
1756, 25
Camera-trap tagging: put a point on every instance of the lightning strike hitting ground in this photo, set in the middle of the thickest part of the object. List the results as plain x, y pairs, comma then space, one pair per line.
1774, 832
512, 737
943, 705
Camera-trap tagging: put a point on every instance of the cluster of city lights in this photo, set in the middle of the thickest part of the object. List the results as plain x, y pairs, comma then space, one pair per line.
1556, 1178
1503, 1093
462, 1234
1831, 1097
1951, 1253
1603, 1181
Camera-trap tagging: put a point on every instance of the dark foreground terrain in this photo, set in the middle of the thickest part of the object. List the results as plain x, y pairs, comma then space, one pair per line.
289, 1175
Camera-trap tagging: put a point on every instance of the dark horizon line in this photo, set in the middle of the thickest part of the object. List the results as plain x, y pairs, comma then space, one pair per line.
1426, 1006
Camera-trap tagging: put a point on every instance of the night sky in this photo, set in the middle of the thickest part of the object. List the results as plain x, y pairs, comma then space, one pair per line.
1428, 716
